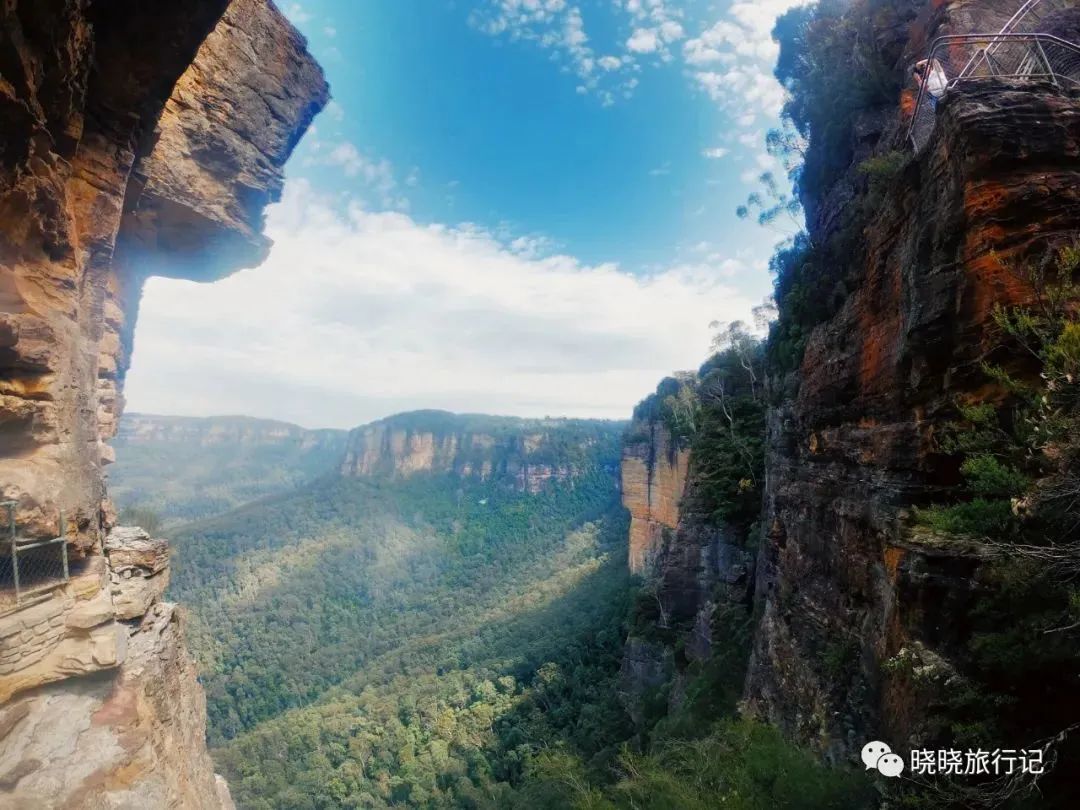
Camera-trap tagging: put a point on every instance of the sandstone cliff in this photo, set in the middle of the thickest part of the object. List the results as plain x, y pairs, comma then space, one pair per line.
696, 570
135, 140
527, 454
654, 471
134, 736
865, 619
867, 623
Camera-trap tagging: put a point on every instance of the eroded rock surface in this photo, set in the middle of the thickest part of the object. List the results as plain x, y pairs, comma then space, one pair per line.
132, 739
141, 140
863, 617
690, 566
135, 139
654, 471
526, 454
138, 570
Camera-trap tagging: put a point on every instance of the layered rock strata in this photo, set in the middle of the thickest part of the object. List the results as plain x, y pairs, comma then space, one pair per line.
135, 139
691, 567
528, 455
847, 587
654, 470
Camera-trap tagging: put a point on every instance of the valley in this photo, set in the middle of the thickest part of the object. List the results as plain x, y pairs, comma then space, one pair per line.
439, 619
829, 561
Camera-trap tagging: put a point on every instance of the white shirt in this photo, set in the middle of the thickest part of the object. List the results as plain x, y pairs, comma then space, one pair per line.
936, 80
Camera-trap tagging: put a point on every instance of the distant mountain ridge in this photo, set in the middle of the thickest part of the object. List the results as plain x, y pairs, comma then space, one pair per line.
525, 453
187, 468
210, 430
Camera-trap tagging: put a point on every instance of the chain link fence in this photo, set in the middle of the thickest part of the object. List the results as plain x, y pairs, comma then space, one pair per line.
29, 568
971, 57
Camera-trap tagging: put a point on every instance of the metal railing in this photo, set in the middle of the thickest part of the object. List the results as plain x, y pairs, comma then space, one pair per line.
30, 568
967, 57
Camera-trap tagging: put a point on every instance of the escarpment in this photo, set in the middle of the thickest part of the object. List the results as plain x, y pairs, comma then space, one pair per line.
654, 469
135, 140
867, 618
870, 621
526, 454
690, 539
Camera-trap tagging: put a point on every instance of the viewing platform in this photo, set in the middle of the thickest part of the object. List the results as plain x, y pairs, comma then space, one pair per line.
1038, 44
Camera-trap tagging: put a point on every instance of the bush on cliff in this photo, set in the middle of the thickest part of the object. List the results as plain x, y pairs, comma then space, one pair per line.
1018, 454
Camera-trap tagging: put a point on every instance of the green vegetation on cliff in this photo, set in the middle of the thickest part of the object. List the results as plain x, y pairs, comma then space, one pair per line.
443, 642
1018, 500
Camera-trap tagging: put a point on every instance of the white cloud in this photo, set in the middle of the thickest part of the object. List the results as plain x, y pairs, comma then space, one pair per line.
357, 314
380, 186
330, 31
733, 60
552, 24
335, 110
716, 152
670, 31
560, 27
643, 40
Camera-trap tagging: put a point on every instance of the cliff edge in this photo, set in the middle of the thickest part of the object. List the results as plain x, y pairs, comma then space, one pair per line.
135, 140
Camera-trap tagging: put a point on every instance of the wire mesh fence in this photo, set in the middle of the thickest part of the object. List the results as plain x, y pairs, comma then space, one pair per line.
973, 57
29, 568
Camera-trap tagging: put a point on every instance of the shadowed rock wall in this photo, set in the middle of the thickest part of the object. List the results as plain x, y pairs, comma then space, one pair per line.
845, 582
135, 139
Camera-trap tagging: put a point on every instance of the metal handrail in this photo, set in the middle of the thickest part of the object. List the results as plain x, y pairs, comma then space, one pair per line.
1014, 21
995, 41
18, 546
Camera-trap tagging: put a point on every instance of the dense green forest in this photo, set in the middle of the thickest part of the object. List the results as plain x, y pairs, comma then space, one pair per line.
436, 641
342, 573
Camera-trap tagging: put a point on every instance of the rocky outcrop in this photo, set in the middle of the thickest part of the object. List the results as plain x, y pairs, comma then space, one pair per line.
654, 470
138, 570
68, 633
133, 740
527, 454
135, 139
847, 587
134, 735
692, 569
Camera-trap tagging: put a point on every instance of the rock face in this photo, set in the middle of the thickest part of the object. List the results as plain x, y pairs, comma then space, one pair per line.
138, 570
845, 585
133, 740
528, 454
120, 120
691, 568
99, 702
654, 473
135, 139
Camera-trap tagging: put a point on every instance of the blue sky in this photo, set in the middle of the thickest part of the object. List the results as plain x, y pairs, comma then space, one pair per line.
495, 131
514, 206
